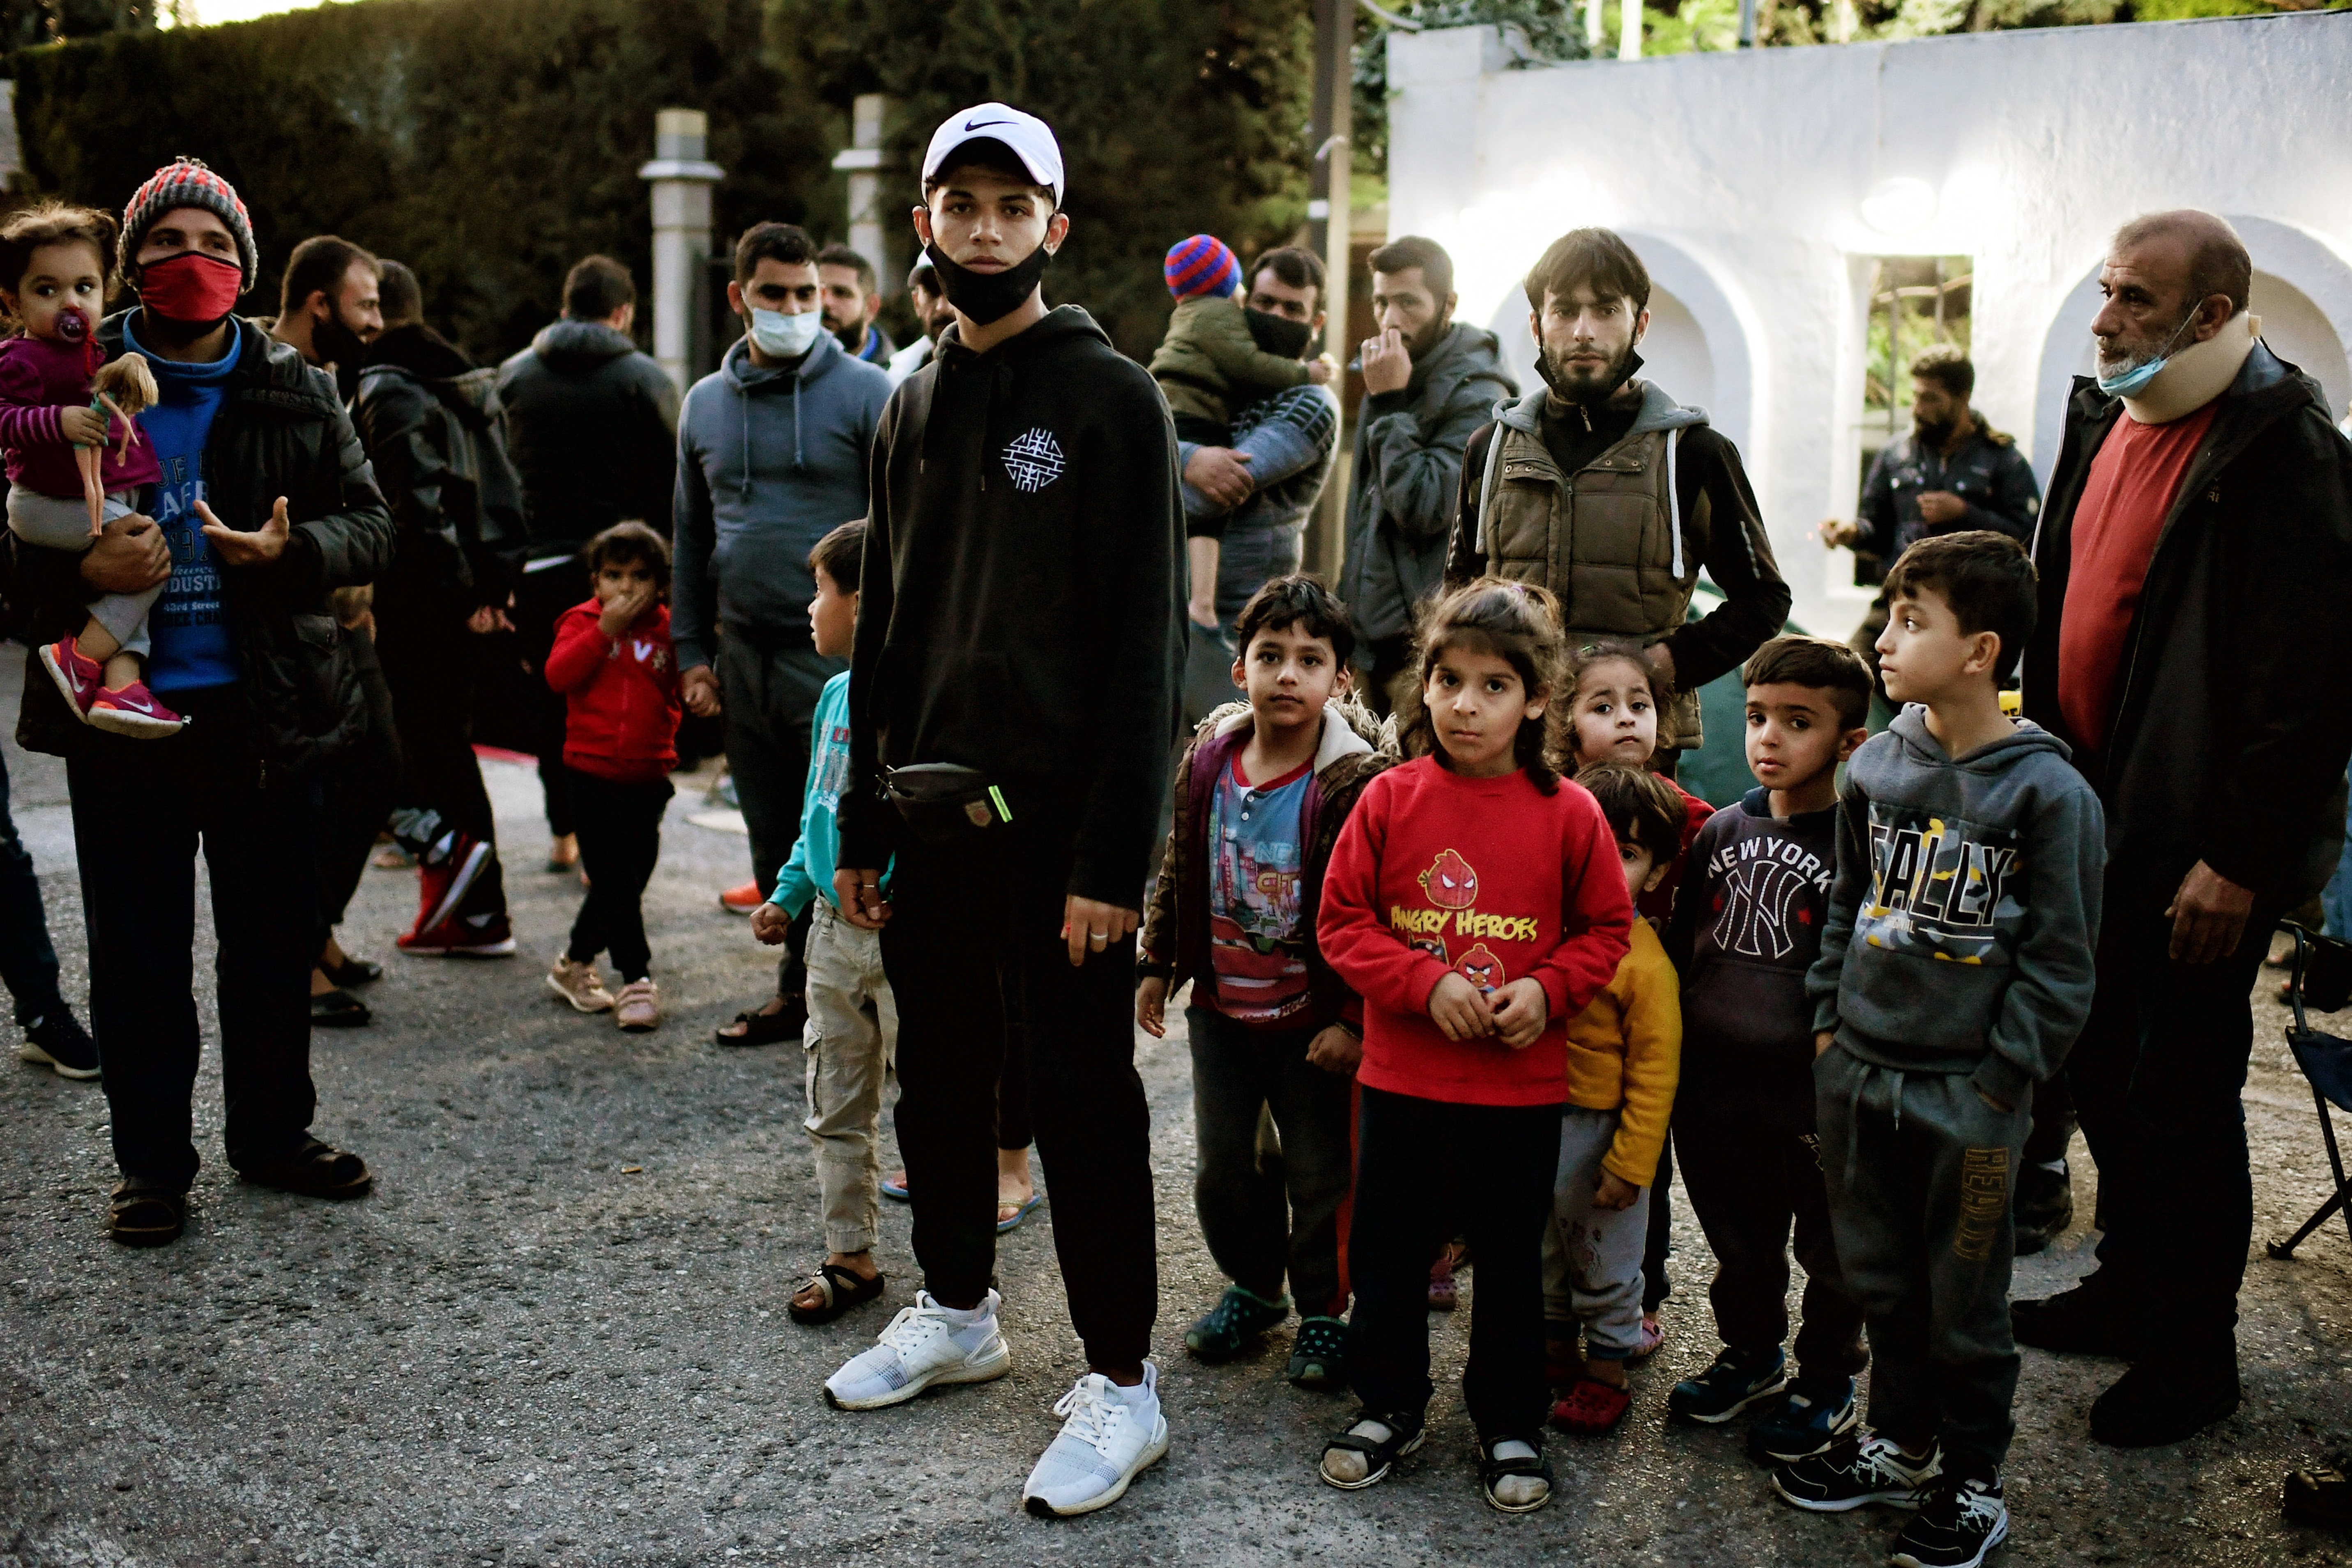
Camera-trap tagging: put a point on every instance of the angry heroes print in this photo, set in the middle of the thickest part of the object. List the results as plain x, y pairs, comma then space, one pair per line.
1450, 886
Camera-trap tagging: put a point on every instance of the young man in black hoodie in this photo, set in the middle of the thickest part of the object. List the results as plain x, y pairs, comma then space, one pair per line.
1019, 615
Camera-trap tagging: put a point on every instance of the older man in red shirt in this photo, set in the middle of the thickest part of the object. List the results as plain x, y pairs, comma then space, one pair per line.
2196, 559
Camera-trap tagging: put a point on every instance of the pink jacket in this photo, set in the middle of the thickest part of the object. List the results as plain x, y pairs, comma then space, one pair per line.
39, 381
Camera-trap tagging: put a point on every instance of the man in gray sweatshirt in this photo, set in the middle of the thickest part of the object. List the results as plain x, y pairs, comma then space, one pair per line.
771, 452
1955, 972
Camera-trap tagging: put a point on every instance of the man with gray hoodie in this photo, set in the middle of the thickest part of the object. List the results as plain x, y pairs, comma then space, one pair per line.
771, 455
1954, 975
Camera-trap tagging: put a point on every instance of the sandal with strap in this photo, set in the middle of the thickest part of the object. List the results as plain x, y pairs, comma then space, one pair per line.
1493, 1471
1591, 1407
842, 1289
766, 1029
146, 1216
1406, 1433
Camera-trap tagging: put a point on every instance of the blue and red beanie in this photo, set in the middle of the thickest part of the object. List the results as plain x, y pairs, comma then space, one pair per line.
1203, 267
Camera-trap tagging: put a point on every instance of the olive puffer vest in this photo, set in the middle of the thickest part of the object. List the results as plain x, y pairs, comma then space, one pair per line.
1608, 540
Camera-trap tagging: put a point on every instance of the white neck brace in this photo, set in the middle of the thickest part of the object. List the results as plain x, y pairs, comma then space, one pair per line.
2196, 374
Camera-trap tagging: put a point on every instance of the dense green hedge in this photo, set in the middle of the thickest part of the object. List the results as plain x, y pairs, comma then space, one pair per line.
1176, 117
488, 143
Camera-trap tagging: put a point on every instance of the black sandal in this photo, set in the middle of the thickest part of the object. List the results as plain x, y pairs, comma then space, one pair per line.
314, 1170
1492, 1469
766, 1029
352, 972
843, 1290
146, 1216
1405, 1434
338, 1010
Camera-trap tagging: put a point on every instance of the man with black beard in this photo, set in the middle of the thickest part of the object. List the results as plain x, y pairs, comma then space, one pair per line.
1952, 474
1428, 382
1595, 460
329, 306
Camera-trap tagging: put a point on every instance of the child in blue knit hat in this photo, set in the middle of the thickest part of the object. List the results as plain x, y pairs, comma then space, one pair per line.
1216, 356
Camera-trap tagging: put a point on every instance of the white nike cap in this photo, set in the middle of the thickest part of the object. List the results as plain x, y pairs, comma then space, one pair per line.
1029, 137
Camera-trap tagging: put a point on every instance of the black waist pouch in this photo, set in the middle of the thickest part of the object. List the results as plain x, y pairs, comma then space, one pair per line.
942, 803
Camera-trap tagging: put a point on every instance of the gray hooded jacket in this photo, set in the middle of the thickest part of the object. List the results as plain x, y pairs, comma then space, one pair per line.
1966, 912
1408, 475
769, 462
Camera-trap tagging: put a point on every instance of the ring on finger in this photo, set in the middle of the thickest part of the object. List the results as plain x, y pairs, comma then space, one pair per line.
1098, 938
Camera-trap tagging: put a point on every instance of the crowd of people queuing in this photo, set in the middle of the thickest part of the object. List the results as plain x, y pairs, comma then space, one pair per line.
1446, 933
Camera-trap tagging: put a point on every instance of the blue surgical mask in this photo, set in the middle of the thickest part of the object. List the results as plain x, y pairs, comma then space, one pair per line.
786, 337
2135, 381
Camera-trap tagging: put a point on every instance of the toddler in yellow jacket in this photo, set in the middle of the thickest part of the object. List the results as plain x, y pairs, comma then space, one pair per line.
1624, 1055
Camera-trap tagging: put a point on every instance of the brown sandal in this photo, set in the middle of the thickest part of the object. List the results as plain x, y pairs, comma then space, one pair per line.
839, 1291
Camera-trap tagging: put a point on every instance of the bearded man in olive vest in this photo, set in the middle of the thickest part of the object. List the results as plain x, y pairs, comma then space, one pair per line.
1612, 495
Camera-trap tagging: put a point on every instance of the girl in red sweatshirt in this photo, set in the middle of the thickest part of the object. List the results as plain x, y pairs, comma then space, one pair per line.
1475, 901
618, 674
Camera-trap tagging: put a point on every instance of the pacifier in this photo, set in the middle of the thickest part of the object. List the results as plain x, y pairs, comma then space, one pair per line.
73, 324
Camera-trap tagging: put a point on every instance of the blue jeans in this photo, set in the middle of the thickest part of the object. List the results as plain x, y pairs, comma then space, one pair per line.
142, 811
27, 962
2337, 898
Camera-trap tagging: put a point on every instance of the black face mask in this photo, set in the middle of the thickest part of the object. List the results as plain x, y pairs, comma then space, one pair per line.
1277, 335
334, 343
985, 297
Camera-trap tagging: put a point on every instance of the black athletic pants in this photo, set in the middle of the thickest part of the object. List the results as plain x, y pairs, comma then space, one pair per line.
974, 935
619, 842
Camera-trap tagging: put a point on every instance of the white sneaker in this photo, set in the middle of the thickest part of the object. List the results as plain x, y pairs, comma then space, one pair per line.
1106, 1442
925, 1343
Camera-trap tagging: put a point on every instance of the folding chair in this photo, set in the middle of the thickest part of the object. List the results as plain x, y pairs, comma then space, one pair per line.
2322, 976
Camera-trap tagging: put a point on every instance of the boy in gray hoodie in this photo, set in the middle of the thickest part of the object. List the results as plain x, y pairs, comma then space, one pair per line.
1955, 972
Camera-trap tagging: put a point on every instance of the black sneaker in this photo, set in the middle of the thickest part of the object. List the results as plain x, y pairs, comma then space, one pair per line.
1816, 1412
1859, 1468
57, 1039
1737, 1380
2320, 1494
1961, 1519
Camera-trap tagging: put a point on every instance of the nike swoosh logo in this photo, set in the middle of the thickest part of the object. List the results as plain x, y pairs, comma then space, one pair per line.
976, 124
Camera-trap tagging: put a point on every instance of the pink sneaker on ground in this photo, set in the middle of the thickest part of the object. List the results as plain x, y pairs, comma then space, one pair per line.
133, 710
79, 677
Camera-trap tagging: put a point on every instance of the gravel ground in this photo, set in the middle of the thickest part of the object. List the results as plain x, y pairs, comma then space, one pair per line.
556, 1333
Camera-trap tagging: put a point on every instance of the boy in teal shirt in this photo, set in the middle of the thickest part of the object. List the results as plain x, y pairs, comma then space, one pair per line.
853, 1022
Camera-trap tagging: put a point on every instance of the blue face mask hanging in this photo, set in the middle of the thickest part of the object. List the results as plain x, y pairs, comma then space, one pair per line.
786, 337
2135, 381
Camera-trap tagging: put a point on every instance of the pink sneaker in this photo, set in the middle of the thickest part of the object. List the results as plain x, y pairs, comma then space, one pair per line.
79, 677
133, 710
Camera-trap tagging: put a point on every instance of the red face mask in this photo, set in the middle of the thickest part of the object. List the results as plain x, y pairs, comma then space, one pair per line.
190, 287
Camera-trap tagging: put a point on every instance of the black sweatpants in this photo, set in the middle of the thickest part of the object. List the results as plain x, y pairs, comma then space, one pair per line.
975, 932
1753, 1174
1423, 1166
620, 841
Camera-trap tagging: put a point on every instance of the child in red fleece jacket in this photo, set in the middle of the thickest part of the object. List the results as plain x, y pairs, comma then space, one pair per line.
613, 663
1476, 902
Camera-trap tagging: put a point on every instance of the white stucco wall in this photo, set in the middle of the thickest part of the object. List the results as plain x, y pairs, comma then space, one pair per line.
1740, 178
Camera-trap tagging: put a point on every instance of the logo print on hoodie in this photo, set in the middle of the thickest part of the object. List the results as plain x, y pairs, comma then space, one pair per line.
1033, 459
1940, 886
1450, 882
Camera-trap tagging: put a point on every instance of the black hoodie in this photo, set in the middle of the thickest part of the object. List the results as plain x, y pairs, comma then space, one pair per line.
592, 426
423, 412
1021, 607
